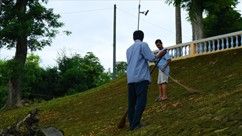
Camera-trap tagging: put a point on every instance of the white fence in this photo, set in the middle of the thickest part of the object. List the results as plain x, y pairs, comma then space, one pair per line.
208, 45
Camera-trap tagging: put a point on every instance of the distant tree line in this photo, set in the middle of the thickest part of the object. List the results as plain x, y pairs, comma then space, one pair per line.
71, 75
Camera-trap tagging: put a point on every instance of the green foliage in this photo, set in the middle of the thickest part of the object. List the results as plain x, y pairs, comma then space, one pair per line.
3, 72
74, 74
221, 15
32, 75
47, 85
79, 73
104, 77
222, 20
38, 83
217, 5
208, 5
25, 24
4, 77
121, 68
37, 23
3, 82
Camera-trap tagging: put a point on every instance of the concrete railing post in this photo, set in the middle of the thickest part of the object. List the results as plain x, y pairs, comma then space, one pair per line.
192, 50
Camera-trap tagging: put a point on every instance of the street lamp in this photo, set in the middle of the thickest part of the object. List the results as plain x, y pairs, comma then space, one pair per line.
142, 12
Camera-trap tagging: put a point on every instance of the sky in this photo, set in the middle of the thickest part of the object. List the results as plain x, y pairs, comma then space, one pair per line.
91, 24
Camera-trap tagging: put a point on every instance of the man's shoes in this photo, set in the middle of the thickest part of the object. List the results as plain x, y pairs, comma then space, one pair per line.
141, 125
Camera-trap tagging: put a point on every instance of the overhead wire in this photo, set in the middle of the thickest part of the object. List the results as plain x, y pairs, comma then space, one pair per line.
85, 11
152, 24
122, 10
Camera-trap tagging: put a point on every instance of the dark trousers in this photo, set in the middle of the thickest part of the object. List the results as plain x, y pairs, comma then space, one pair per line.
137, 99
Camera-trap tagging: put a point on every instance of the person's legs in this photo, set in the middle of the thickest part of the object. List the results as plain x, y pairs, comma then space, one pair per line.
164, 91
161, 90
131, 102
163, 85
160, 93
141, 92
159, 82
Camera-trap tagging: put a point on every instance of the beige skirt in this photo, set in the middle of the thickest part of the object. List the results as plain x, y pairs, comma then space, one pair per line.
162, 78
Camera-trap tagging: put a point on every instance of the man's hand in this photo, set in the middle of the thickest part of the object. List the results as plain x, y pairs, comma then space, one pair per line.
162, 53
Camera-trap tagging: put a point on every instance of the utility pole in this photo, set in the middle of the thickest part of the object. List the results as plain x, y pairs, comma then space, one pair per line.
143, 12
114, 42
138, 14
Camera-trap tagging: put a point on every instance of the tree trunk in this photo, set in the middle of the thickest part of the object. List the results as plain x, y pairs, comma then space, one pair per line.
178, 25
0, 7
197, 28
14, 95
197, 19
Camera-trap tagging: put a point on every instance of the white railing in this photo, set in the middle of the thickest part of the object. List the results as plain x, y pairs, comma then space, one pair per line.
208, 45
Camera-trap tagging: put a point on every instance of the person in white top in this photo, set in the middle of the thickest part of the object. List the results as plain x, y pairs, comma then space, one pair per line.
164, 71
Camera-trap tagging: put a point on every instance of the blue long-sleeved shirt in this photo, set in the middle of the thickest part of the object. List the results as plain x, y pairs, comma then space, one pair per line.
138, 56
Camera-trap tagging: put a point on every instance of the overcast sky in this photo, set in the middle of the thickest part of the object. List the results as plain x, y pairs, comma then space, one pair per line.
91, 24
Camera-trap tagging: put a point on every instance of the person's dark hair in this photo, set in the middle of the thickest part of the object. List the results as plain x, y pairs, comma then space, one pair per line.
158, 41
138, 35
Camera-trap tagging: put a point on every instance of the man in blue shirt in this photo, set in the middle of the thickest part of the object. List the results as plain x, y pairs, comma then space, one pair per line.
138, 76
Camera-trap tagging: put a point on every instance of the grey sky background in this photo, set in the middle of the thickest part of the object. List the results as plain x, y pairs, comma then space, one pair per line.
91, 24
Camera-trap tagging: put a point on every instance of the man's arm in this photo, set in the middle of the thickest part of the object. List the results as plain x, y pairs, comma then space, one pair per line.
161, 53
149, 55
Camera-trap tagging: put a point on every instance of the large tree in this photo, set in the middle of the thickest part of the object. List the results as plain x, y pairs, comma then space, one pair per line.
25, 24
196, 9
221, 20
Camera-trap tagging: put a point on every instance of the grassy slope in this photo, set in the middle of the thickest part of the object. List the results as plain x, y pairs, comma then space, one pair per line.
214, 111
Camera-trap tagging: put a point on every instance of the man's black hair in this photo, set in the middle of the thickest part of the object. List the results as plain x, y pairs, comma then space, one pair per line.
158, 41
138, 35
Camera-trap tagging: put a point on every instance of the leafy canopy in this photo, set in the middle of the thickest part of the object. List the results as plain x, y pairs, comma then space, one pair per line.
37, 23
80, 73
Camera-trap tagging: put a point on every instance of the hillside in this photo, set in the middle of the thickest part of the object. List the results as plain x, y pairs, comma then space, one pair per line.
216, 110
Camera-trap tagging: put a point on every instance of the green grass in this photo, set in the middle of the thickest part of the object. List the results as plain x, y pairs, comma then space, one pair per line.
216, 110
